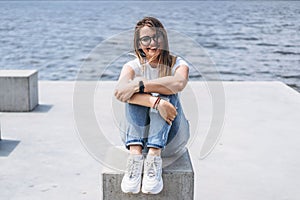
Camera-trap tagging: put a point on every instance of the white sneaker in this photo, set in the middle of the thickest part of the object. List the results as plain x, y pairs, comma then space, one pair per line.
152, 180
131, 182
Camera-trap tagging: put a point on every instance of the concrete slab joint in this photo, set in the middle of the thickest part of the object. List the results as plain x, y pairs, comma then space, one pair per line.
178, 182
18, 90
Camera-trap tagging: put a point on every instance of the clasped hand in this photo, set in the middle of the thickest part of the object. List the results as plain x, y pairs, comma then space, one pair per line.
167, 111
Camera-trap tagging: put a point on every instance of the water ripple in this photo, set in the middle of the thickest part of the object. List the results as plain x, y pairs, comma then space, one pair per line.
56, 37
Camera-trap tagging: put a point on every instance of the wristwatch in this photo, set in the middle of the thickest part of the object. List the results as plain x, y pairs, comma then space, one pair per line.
141, 87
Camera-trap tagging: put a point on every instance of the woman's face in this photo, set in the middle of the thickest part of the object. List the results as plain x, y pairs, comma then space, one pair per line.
150, 41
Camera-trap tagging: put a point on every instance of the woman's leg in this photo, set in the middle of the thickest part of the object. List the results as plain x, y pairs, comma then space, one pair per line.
179, 134
136, 127
169, 138
157, 139
137, 120
160, 132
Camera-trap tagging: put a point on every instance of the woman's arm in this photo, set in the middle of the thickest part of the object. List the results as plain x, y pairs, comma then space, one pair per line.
166, 110
146, 100
169, 84
165, 85
126, 86
127, 91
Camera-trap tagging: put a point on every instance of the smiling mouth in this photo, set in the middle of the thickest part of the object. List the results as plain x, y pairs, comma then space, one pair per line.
152, 48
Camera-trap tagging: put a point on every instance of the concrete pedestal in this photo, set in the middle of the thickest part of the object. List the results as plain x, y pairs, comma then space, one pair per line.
178, 182
18, 90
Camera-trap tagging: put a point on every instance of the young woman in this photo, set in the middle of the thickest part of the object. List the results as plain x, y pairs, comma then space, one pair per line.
149, 85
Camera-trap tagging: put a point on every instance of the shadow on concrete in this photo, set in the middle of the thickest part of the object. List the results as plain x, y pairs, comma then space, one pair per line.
42, 108
7, 146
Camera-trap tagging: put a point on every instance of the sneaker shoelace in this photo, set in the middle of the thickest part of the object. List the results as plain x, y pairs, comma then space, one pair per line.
133, 168
152, 168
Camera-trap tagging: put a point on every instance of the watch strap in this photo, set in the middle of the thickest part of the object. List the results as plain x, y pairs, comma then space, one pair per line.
141, 87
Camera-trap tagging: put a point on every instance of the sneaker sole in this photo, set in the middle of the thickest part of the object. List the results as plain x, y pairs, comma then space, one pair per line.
131, 192
157, 191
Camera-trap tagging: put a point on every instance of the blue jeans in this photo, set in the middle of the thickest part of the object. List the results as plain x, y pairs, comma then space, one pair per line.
147, 128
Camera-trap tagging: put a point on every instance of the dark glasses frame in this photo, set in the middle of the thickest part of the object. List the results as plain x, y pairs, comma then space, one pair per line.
146, 40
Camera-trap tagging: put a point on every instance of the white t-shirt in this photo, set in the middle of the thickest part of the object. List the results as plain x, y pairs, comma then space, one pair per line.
151, 72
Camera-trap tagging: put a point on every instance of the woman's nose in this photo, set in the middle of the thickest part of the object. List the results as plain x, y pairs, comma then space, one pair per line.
153, 42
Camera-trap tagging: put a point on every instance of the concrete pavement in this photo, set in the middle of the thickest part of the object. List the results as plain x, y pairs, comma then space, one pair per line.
42, 154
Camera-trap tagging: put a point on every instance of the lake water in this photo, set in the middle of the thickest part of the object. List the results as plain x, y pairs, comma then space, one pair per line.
257, 40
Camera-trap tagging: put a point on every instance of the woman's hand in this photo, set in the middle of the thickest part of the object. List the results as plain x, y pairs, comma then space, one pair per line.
125, 91
167, 111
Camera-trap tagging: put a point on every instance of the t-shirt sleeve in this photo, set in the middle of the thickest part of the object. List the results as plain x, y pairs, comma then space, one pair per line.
179, 61
135, 65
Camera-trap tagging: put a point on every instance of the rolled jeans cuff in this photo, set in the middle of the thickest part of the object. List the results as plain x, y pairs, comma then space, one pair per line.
134, 142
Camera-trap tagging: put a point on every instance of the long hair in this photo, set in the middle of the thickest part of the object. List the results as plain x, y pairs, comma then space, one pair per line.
165, 59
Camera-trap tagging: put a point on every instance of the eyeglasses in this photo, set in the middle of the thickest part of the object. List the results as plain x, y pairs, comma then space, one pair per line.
146, 40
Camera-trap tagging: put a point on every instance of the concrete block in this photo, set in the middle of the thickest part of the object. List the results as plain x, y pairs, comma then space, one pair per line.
178, 179
18, 90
